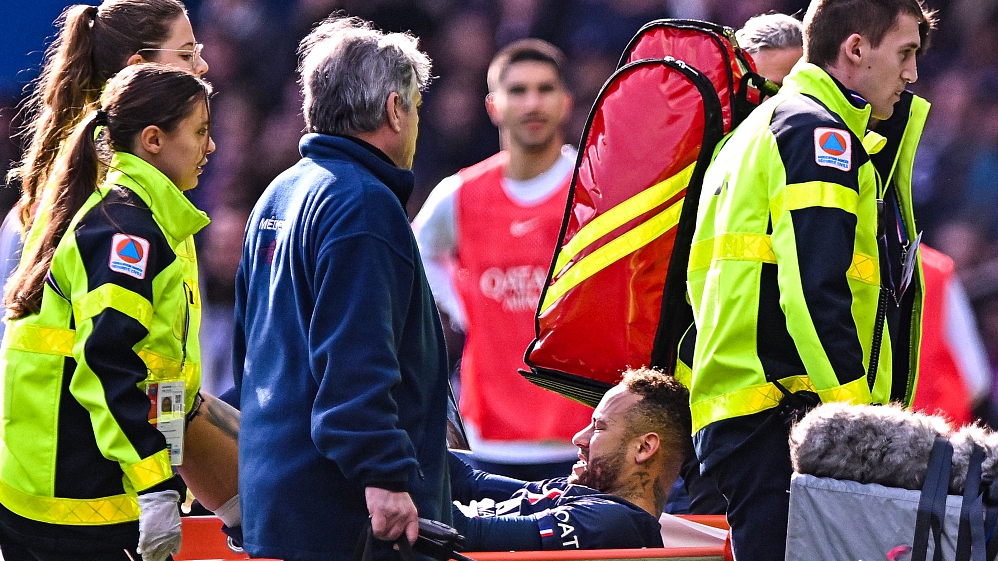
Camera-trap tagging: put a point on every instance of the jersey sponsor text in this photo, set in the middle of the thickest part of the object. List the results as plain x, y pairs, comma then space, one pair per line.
517, 288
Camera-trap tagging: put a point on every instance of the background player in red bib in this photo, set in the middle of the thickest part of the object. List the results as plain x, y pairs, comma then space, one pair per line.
486, 236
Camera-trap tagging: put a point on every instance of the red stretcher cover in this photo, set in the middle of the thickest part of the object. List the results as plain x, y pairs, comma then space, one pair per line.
616, 291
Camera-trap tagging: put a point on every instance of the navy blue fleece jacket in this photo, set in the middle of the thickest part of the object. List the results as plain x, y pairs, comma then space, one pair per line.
339, 355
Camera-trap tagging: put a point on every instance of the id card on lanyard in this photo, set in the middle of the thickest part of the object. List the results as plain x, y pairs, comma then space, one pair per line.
166, 413
907, 247
908, 266
909, 253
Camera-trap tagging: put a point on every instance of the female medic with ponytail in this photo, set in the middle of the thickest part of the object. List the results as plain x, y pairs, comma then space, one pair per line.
93, 44
105, 311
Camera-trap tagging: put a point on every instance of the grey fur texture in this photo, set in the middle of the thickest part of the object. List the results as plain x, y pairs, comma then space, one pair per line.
963, 440
882, 444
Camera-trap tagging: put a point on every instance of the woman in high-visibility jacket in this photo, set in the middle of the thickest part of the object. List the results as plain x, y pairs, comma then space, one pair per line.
104, 314
93, 44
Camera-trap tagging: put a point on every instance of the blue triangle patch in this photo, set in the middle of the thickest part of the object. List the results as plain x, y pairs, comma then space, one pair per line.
833, 144
130, 251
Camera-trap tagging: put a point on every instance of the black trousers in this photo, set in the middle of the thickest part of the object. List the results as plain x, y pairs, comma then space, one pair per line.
755, 480
704, 496
16, 547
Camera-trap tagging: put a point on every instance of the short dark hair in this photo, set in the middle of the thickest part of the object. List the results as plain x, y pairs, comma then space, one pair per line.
828, 23
664, 408
525, 50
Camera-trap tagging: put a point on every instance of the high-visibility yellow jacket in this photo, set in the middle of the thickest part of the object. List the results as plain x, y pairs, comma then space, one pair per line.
120, 310
786, 269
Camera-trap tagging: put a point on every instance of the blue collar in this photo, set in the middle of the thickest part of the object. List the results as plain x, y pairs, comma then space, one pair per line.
323, 146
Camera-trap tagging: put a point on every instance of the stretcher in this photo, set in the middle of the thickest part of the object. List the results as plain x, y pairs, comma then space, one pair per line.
204, 541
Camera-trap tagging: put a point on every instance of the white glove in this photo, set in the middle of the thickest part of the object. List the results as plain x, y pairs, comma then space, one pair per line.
159, 525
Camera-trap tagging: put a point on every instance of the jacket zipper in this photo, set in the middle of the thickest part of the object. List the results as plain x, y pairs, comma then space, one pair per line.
878, 337
188, 300
878, 325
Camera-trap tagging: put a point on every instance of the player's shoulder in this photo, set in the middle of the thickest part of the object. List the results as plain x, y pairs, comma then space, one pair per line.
489, 166
588, 518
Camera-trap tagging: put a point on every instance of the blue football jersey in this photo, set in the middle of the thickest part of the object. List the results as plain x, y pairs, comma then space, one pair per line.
577, 517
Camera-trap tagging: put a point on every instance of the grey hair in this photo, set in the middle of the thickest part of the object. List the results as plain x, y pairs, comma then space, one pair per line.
770, 31
348, 69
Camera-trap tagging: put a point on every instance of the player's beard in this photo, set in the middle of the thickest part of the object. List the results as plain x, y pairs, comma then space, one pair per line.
603, 473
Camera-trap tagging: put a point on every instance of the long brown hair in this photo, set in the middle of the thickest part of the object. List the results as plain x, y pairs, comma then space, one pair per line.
138, 97
94, 43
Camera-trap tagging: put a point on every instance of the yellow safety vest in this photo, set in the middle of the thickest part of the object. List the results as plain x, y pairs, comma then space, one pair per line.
743, 225
41, 350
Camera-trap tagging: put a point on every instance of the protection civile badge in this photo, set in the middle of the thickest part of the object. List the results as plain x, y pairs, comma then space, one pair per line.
129, 255
833, 148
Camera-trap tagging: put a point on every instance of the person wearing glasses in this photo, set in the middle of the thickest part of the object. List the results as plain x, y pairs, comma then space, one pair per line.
188, 54
104, 318
94, 43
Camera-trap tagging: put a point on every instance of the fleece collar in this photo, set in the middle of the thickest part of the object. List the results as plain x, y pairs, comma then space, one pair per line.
808, 79
177, 215
324, 146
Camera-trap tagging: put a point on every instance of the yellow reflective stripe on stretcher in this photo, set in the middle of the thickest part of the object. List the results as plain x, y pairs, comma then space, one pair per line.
623, 245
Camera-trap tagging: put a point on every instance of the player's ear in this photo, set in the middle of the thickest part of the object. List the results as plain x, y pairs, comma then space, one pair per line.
490, 108
647, 444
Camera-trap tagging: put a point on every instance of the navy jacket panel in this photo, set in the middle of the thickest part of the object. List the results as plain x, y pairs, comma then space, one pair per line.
339, 356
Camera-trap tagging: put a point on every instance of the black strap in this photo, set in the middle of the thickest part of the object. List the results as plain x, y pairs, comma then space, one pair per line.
932, 503
990, 525
970, 541
365, 546
794, 406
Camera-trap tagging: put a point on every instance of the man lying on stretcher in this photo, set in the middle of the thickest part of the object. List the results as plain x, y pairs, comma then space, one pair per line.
629, 455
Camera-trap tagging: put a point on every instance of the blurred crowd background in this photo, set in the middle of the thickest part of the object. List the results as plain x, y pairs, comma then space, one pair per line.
250, 46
